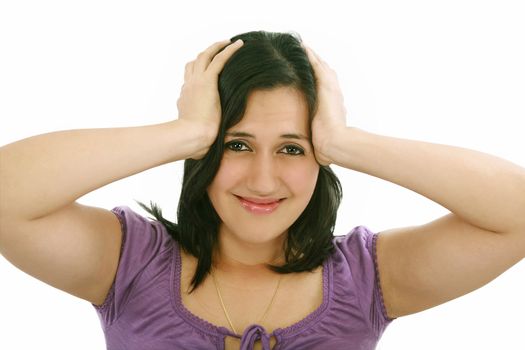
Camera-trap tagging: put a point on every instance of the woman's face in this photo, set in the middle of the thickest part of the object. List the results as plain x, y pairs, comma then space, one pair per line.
268, 156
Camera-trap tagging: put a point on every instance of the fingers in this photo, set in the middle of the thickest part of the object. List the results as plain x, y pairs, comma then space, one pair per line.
210, 59
221, 58
312, 56
322, 70
315, 59
188, 71
204, 58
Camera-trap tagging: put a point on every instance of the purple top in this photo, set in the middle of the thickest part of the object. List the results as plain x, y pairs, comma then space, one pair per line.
143, 309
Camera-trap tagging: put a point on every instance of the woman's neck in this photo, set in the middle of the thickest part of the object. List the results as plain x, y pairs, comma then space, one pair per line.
244, 264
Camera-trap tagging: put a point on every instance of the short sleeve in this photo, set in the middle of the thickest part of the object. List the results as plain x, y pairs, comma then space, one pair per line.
142, 241
360, 250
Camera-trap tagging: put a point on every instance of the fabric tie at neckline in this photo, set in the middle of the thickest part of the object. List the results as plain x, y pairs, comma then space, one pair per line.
253, 333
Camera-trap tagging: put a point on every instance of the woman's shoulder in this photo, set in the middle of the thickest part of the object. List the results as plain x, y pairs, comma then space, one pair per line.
356, 273
355, 257
359, 238
140, 232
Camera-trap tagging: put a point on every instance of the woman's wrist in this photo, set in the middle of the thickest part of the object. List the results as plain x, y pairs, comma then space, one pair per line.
336, 147
200, 136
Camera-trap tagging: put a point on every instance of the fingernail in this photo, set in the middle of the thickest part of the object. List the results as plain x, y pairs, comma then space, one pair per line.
239, 41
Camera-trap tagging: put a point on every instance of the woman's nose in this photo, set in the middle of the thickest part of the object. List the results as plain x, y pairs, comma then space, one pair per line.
263, 176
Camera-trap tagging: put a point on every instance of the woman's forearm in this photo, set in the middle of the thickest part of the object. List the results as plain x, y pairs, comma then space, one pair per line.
484, 190
43, 173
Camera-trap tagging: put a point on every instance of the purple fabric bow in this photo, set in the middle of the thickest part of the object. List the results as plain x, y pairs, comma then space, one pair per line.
253, 333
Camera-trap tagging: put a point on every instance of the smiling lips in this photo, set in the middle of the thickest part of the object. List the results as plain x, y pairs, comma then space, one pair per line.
260, 206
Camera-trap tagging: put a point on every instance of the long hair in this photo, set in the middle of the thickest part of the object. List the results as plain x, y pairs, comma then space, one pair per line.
266, 60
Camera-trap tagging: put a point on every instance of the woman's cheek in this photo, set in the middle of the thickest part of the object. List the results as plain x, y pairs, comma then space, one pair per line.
230, 169
302, 177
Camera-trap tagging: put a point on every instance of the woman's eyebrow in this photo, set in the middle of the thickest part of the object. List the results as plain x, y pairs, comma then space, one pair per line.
284, 136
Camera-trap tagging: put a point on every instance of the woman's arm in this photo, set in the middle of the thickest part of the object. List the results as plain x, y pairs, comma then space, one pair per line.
73, 247
485, 191
44, 232
424, 266
43, 173
427, 265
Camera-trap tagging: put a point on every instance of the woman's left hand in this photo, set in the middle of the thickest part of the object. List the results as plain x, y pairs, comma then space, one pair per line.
330, 117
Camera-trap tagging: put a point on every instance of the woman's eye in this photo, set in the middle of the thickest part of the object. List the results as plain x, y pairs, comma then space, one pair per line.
235, 146
296, 151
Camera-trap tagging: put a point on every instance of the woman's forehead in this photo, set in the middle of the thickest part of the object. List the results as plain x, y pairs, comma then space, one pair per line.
279, 101
294, 135
282, 110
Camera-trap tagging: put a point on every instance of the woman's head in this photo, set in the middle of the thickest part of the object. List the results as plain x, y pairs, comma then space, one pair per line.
266, 89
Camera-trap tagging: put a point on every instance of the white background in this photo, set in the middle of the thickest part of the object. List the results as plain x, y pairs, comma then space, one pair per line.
447, 72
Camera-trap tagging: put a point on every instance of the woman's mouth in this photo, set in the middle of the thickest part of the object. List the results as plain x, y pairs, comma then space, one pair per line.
259, 206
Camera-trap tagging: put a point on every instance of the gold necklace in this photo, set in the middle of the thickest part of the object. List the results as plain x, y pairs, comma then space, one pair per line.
226, 312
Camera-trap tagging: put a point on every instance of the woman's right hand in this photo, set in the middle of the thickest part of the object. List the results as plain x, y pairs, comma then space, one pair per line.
199, 104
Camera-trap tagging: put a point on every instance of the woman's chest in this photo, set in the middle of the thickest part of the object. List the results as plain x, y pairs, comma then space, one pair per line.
279, 305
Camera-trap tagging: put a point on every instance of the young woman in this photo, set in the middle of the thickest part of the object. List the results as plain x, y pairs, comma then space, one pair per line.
252, 261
